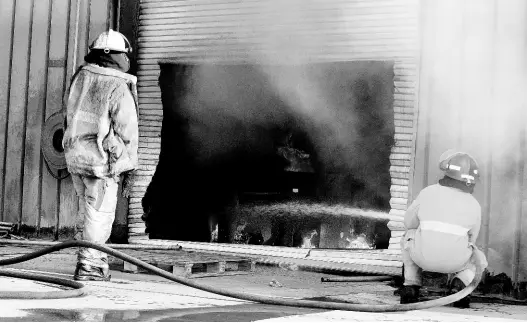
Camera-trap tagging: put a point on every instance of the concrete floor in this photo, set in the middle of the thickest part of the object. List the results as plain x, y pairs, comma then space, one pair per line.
141, 297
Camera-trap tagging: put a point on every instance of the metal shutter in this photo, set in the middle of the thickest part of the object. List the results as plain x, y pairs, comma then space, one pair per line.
320, 30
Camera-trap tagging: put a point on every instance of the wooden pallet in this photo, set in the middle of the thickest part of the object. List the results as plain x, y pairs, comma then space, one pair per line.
187, 264
6, 228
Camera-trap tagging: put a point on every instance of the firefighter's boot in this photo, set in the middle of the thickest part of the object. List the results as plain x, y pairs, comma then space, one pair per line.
409, 294
85, 272
455, 286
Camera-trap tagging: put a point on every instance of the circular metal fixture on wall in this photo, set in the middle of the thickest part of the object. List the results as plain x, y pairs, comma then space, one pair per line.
51, 143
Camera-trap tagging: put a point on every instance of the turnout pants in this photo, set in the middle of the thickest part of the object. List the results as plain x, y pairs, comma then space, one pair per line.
413, 273
97, 204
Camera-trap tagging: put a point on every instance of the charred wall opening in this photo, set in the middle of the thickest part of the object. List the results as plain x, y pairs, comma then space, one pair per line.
237, 151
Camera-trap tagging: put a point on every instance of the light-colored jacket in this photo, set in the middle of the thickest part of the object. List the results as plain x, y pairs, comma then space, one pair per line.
446, 223
101, 134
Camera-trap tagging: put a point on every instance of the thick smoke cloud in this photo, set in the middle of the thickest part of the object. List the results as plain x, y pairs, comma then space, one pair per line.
286, 83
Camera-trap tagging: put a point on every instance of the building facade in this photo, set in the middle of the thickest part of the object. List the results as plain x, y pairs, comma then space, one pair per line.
458, 80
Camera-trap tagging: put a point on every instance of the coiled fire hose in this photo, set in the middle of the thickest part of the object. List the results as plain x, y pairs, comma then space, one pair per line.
78, 288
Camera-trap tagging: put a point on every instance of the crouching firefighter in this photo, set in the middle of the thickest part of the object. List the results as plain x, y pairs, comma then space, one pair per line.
100, 143
442, 226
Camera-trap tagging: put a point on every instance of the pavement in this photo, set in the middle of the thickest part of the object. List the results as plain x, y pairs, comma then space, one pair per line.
143, 297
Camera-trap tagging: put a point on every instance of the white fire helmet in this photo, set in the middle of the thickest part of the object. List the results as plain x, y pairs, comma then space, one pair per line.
460, 166
112, 40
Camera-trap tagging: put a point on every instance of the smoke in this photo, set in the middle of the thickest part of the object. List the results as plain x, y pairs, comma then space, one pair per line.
340, 107
319, 93
303, 89
229, 107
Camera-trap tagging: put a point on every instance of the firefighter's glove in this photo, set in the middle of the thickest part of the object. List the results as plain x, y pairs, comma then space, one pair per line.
128, 183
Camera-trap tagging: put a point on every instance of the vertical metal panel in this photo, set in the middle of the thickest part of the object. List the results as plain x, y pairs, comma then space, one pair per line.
35, 111
521, 261
88, 23
98, 18
73, 40
17, 112
422, 143
510, 84
7, 23
68, 203
445, 76
415, 115
59, 17
117, 15
476, 107
519, 268
111, 19
83, 31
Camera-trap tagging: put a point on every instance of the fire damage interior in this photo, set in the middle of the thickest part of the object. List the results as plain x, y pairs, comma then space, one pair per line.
241, 162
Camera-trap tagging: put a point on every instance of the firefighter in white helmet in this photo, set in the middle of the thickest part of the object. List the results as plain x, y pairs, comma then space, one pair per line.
442, 225
100, 143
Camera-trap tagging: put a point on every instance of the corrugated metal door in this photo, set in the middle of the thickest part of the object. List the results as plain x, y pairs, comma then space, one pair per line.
278, 31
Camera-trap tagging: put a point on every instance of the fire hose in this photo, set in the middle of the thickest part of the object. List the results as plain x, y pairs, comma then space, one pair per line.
78, 288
